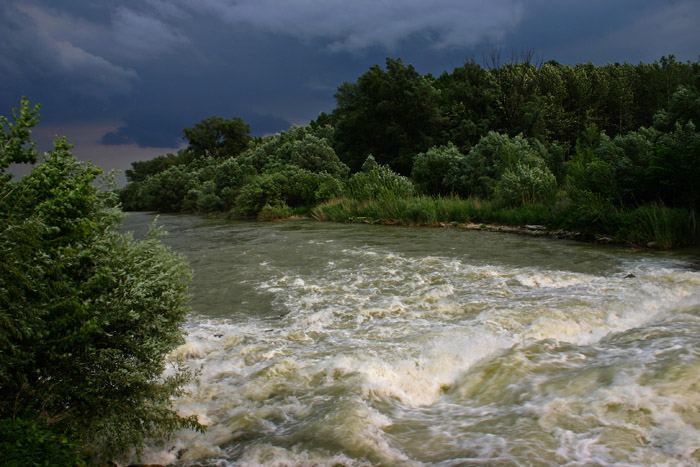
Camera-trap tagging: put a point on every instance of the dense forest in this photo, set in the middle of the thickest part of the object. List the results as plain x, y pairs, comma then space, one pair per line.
607, 150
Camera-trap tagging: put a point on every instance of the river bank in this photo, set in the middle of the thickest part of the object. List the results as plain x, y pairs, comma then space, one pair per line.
648, 226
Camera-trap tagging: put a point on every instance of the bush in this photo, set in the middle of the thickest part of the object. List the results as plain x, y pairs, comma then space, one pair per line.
26, 443
526, 185
493, 156
302, 147
88, 314
591, 213
271, 213
167, 190
378, 180
263, 189
430, 168
674, 169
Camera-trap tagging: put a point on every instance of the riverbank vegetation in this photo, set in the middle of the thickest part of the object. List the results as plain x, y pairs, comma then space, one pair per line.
87, 315
604, 151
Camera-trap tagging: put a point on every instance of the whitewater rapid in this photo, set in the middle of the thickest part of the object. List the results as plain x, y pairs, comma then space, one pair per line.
357, 346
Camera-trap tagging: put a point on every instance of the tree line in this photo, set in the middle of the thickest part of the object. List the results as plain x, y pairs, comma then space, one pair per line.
590, 143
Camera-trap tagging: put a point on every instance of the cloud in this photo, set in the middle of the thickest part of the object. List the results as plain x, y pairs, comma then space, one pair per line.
601, 31
362, 24
675, 31
40, 55
165, 131
147, 130
144, 36
96, 75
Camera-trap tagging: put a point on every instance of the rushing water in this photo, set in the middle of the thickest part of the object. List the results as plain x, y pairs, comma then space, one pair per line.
327, 344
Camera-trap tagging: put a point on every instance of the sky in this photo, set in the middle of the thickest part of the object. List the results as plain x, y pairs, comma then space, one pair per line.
120, 79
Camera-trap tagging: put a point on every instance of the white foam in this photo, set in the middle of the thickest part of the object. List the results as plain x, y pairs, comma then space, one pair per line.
388, 330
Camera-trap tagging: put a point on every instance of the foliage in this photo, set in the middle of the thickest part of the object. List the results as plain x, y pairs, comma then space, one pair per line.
377, 180
428, 211
468, 97
305, 147
674, 168
87, 314
430, 168
590, 213
289, 185
278, 211
494, 155
589, 143
526, 185
166, 191
15, 144
662, 227
392, 114
218, 137
141, 170
26, 443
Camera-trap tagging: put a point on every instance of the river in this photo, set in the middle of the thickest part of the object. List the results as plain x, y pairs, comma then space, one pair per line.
324, 344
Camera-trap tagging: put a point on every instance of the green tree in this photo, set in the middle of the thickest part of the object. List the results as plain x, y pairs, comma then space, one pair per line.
218, 137
166, 191
375, 181
16, 146
674, 169
87, 314
392, 114
525, 184
141, 170
469, 103
305, 147
430, 168
519, 109
495, 154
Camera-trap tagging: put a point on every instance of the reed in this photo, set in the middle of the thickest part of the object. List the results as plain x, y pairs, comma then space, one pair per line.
652, 225
274, 212
428, 211
661, 227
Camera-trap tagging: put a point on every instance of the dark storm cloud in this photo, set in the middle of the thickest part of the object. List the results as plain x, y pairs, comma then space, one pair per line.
36, 55
359, 24
602, 31
144, 69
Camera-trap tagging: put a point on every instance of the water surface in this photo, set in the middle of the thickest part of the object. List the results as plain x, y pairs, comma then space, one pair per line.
329, 344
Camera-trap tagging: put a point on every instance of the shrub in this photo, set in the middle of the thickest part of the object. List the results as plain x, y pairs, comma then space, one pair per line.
27, 443
206, 199
495, 154
300, 146
674, 169
526, 185
430, 168
166, 191
87, 314
278, 211
376, 180
263, 189
590, 213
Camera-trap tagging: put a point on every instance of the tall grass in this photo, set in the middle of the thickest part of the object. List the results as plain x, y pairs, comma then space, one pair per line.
652, 225
428, 211
662, 227
274, 212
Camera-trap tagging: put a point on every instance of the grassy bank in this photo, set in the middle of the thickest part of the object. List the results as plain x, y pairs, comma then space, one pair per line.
652, 225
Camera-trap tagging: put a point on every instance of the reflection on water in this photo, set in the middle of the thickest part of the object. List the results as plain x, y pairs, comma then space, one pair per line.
328, 344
